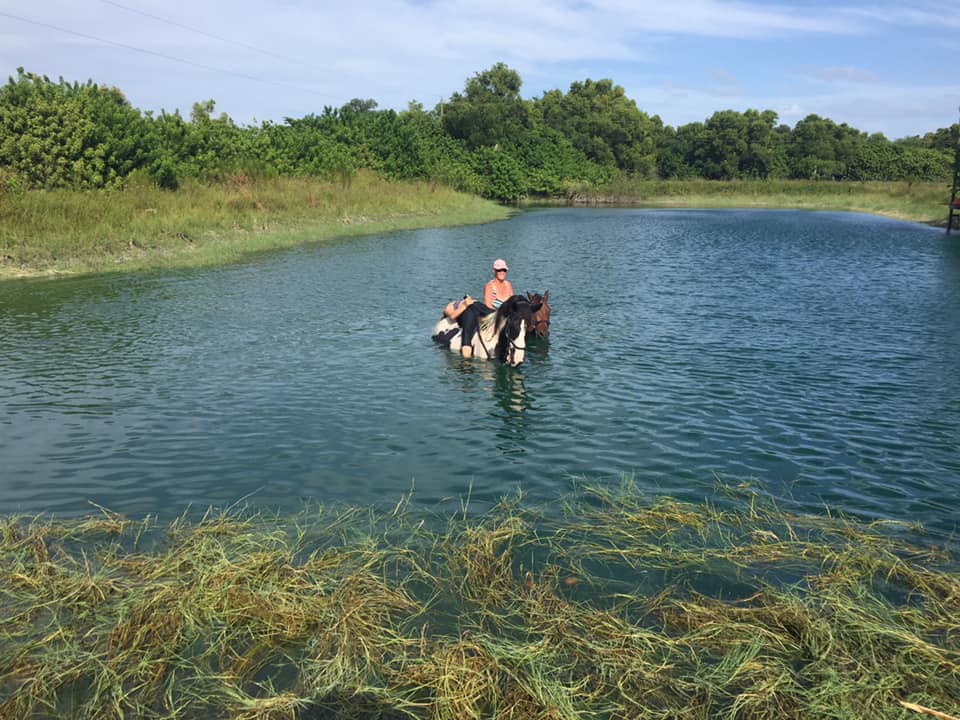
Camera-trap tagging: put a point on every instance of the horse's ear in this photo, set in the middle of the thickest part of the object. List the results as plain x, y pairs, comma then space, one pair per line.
529, 296
546, 296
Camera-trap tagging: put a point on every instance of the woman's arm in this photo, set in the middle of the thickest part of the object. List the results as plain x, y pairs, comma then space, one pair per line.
455, 308
488, 294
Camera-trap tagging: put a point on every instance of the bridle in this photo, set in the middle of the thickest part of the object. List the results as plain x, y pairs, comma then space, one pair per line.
513, 346
541, 328
510, 345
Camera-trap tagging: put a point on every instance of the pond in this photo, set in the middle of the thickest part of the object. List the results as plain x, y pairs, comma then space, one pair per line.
817, 354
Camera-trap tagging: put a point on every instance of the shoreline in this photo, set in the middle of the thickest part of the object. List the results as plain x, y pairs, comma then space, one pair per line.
49, 235
923, 203
242, 244
663, 204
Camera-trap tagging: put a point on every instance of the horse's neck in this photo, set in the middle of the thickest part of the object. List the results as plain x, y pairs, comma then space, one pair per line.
487, 331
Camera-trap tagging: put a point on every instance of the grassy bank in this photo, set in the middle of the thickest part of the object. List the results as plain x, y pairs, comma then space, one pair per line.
48, 233
915, 202
203, 224
624, 605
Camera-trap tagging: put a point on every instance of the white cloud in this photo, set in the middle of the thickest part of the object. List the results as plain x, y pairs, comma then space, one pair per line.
846, 74
306, 55
714, 18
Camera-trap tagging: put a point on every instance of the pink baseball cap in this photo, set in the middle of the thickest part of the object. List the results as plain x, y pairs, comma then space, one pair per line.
499, 264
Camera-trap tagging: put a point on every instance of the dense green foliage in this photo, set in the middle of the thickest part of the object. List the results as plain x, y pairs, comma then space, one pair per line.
486, 140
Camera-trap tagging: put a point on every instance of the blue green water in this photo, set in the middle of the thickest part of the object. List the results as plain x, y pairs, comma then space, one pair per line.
816, 353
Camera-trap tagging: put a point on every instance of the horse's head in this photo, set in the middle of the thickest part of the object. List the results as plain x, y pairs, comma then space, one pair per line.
539, 304
512, 320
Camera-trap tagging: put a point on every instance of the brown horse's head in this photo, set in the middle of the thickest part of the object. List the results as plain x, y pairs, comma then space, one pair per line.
540, 326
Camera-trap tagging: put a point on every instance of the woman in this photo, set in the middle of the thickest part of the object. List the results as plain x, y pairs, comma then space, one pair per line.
466, 313
499, 289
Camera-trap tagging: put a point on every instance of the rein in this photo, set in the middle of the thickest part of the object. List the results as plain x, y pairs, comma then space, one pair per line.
509, 346
480, 338
512, 343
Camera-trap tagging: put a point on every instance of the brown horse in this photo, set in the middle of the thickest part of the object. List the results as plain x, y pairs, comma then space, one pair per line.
540, 325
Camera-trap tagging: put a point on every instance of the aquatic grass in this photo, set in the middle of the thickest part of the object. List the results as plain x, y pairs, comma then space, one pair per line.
609, 604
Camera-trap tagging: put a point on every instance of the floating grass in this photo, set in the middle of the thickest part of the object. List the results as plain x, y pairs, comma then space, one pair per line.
623, 605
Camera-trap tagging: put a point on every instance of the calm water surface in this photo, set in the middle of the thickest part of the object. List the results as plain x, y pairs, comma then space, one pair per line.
817, 353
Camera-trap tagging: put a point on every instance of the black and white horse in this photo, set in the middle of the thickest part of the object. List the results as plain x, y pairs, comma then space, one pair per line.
502, 334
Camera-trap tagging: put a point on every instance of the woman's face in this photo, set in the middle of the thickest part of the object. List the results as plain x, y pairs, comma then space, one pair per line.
500, 275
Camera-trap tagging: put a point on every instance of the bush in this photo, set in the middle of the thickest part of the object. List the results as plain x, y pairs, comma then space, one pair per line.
165, 176
502, 175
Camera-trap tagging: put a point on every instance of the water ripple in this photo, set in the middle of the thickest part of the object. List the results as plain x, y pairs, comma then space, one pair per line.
817, 352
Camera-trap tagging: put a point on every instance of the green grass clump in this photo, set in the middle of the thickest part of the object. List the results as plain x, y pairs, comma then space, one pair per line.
143, 227
621, 606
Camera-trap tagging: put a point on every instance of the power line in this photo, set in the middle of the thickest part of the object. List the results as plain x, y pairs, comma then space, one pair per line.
202, 32
157, 54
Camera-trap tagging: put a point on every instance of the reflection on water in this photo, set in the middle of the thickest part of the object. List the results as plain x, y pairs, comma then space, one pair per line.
817, 352
510, 392
510, 399
513, 401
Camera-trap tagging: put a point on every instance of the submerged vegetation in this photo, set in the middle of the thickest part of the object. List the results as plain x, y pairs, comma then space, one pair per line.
622, 605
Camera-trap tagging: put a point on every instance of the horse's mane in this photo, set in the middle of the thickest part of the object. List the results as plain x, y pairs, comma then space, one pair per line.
502, 313
511, 305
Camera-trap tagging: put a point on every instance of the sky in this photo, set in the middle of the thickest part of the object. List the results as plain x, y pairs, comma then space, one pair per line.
879, 66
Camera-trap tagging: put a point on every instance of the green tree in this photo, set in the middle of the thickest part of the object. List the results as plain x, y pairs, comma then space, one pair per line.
489, 112
721, 146
765, 155
676, 151
812, 151
500, 173
551, 163
214, 146
67, 135
604, 124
